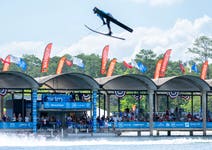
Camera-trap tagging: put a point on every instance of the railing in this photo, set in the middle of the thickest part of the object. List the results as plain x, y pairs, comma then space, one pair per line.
118, 125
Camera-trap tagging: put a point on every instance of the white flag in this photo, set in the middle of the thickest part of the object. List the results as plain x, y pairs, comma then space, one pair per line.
134, 64
78, 62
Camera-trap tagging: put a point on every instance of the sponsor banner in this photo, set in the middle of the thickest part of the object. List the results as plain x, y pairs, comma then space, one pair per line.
55, 97
46, 58
132, 125
111, 67
204, 70
60, 65
209, 125
104, 59
15, 125
157, 69
177, 124
164, 63
67, 105
137, 125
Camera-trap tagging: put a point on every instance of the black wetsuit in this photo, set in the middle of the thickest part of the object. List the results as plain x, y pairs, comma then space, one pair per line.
104, 19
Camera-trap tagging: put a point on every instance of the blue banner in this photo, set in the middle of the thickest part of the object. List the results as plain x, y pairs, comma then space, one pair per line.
177, 124
121, 125
16, 125
136, 125
56, 97
67, 105
209, 125
34, 110
131, 125
94, 123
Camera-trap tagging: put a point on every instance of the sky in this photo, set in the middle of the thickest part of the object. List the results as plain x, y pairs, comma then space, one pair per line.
27, 26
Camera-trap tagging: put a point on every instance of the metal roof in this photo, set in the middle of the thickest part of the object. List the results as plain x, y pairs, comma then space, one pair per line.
17, 80
127, 82
209, 81
184, 83
160, 81
79, 81
103, 80
73, 81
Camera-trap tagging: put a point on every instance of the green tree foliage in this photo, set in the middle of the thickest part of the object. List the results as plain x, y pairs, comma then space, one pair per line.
92, 64
33, 65
53, 63
147, 57
173, 69
202, 48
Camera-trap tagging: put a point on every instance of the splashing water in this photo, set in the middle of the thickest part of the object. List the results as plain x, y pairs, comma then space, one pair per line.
25, 142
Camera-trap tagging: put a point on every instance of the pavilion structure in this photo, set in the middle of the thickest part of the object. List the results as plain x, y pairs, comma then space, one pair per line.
56, 95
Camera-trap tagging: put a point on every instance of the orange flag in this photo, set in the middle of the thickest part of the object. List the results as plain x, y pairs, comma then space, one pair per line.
157, 69
127, 65
165, 63
182, 68
6, 63
111, 67
104, 59
46, 58
68, 63
60, 65
204, 70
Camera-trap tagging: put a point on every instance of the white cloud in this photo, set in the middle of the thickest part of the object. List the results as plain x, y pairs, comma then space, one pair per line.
158, 2
20, 48
179, 38
24, 47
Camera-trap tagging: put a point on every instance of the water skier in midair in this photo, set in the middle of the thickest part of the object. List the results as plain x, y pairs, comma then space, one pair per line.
104, 19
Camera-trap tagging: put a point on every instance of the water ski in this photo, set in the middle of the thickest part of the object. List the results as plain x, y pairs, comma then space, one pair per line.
120, 38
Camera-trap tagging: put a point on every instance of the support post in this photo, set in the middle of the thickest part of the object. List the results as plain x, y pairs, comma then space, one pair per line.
151, 93
139, 133
104, 104
34, 110
204, 120
1, 106
156, 103
94, 111
108, 104
119, 107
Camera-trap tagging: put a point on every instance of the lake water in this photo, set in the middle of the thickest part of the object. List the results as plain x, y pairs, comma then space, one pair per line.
21, 142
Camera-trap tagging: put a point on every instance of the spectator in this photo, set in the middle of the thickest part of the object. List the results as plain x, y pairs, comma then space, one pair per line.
189, 117
19, 117
4, 118
14, 119
26, 118
80, 95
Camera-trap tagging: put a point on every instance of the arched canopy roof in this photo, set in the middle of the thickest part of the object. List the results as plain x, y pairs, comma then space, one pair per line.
209, 81
17, 80
72, 81
184, 83
128, 82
